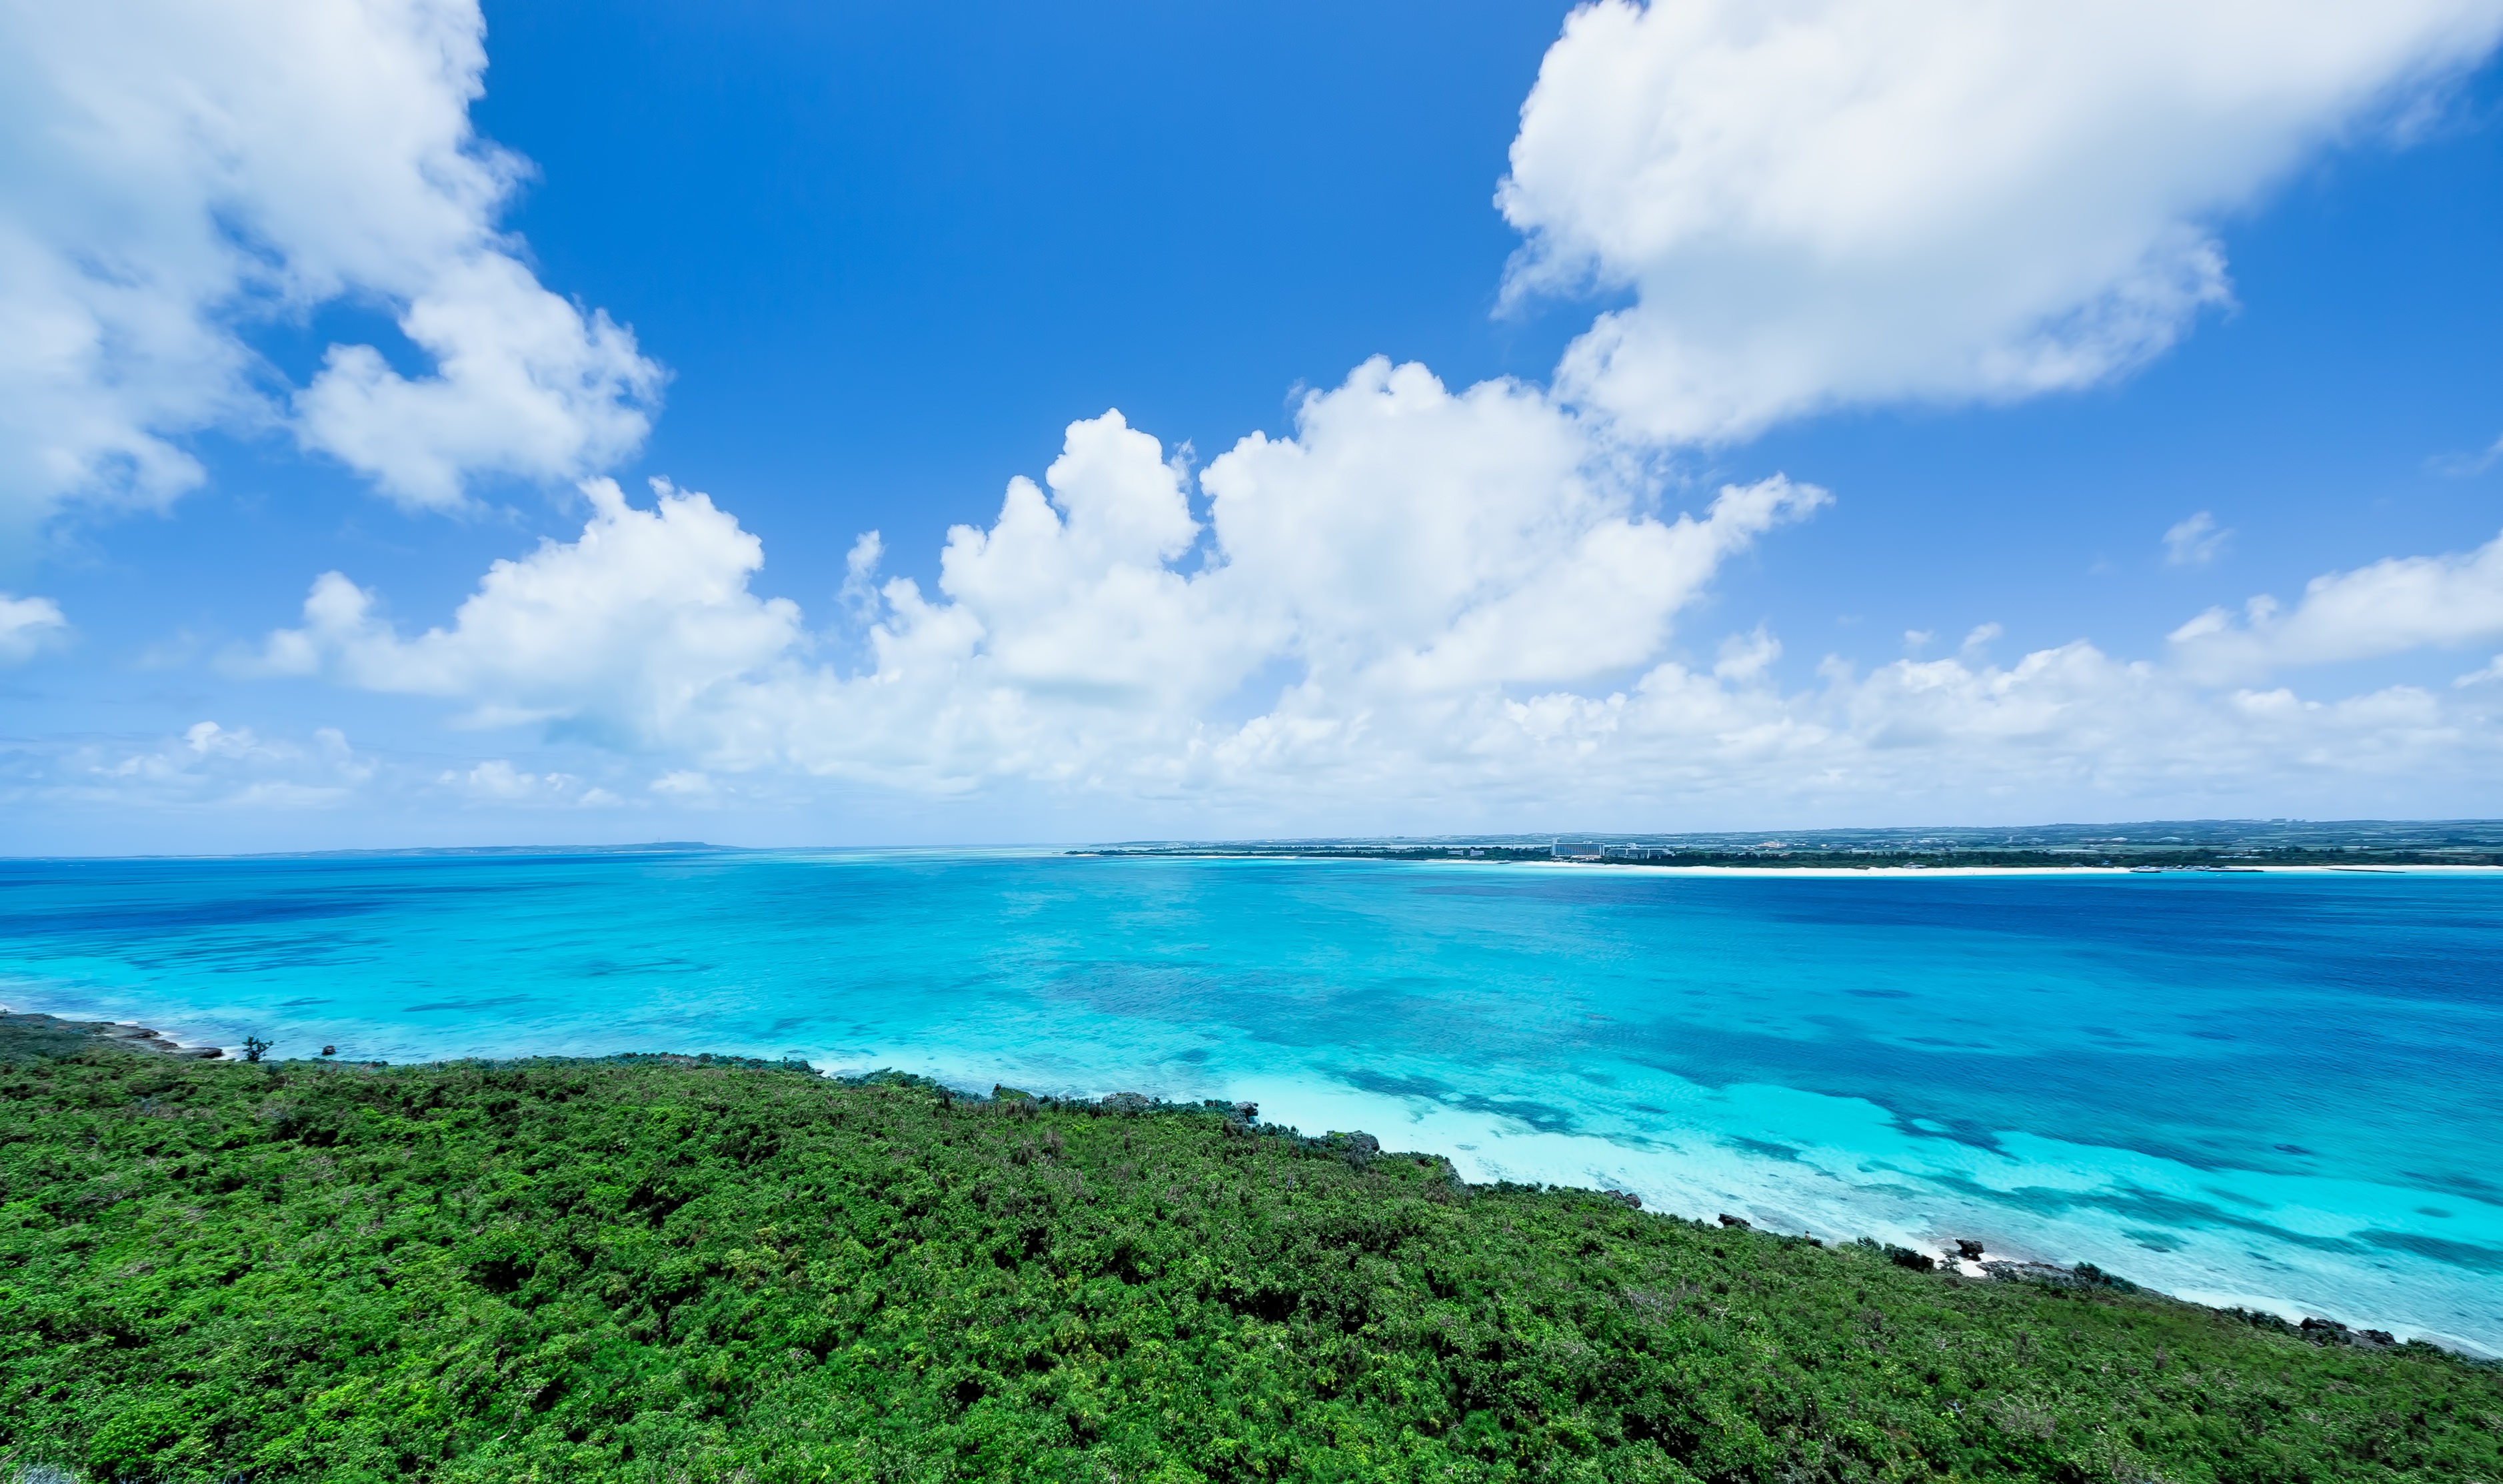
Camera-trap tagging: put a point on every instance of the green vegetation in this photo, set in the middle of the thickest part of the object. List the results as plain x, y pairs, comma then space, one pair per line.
668, 1269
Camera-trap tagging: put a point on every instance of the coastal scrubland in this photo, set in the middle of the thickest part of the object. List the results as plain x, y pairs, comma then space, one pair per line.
700, 1268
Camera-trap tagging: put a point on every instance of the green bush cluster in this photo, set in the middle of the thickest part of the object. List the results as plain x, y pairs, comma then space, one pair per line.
665, 1271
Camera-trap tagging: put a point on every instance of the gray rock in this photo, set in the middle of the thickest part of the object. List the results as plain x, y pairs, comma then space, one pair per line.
2037, 1272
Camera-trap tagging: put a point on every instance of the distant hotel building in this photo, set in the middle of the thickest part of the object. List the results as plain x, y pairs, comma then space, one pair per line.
1593, 850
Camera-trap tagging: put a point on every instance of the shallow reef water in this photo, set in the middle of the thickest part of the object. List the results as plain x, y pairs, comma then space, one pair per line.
2278, 1089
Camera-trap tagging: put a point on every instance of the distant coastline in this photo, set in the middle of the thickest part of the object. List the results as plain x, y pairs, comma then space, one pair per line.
1822, 863
2145, 845
2419, 868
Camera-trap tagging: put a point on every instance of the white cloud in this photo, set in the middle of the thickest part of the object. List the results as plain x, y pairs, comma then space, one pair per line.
214, 770
859, 591
1748, 659
523, 385
171, 175
1409, 552
29, 625
624, 632
2063, 729
496, 781
2392, 606
1416, 538
1469, 603
1102, 640
1821, 203
2195, 541
2468, 465
209, 765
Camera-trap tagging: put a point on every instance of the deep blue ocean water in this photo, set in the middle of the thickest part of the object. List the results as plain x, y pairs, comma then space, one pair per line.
2278, 1089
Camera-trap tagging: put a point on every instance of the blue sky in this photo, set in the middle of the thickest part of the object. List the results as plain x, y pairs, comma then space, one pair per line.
876, 260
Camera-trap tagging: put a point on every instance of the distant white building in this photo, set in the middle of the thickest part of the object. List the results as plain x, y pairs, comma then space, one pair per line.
1566, 849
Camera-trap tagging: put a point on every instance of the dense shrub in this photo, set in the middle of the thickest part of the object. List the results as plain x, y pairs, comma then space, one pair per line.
664, 1270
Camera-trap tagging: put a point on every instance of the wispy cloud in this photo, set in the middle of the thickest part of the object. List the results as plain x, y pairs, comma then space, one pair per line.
2487, 674
2196, 541
498, 783
29, 625
2467, 465
207, 766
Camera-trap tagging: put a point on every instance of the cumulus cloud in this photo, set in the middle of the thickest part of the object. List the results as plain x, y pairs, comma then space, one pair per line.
1429, 541
172, 175
625, 631
2392, 606
1820, 203
523, 385
1484, 618
29, 625
1486, 598
1409, 551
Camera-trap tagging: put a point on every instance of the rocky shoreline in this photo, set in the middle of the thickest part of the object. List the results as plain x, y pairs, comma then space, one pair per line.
25, 1031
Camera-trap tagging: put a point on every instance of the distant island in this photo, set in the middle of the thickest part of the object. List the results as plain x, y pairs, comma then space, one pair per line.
2157, 844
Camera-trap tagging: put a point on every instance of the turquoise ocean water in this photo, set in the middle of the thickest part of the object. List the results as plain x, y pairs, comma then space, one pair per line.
2277, 1090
